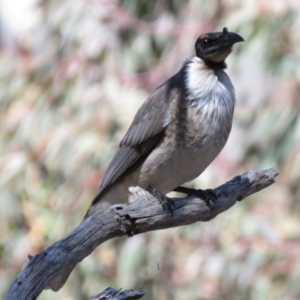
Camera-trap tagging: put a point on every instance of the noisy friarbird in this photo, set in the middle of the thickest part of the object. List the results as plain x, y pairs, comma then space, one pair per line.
180, 128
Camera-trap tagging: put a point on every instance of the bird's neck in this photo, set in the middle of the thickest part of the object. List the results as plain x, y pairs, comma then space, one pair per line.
207, 87
216, 65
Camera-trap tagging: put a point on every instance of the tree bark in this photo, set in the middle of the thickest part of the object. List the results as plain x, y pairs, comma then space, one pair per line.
113, 294
51, 268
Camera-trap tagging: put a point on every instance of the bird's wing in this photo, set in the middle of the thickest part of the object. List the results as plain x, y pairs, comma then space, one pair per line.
150, 119
144, 133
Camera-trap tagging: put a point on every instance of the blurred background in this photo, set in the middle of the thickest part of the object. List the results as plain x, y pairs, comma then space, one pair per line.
72, 76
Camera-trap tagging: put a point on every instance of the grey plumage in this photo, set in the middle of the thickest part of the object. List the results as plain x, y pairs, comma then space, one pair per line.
180, 128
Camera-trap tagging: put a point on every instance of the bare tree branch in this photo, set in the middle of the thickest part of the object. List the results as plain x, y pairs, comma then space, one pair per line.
113, 294
51, 268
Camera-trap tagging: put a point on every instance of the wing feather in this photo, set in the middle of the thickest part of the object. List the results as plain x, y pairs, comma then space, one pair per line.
145, 132
150, 119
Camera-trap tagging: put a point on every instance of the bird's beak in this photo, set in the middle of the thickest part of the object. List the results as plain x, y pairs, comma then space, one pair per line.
231, 38
219, 45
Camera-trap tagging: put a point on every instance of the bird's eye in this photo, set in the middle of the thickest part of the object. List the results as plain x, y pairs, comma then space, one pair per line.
204, 43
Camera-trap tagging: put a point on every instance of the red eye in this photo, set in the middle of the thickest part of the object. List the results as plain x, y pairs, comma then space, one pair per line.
204, 42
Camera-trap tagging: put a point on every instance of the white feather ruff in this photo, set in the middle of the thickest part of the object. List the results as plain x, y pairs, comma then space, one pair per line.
210, 90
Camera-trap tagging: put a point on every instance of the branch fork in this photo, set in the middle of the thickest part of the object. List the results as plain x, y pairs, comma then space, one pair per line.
142, 213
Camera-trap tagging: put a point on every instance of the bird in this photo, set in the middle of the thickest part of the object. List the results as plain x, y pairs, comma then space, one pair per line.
178, 131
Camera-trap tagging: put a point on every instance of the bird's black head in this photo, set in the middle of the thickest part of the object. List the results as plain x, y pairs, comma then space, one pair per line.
214, 47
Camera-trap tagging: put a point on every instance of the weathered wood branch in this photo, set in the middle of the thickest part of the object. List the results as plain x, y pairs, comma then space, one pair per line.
51, 268
113, 294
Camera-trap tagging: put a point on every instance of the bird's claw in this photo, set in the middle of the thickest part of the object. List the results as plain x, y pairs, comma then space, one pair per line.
166, 202
209, 196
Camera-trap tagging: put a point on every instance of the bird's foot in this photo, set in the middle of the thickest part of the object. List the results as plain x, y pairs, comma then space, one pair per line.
209, 196
166, 202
